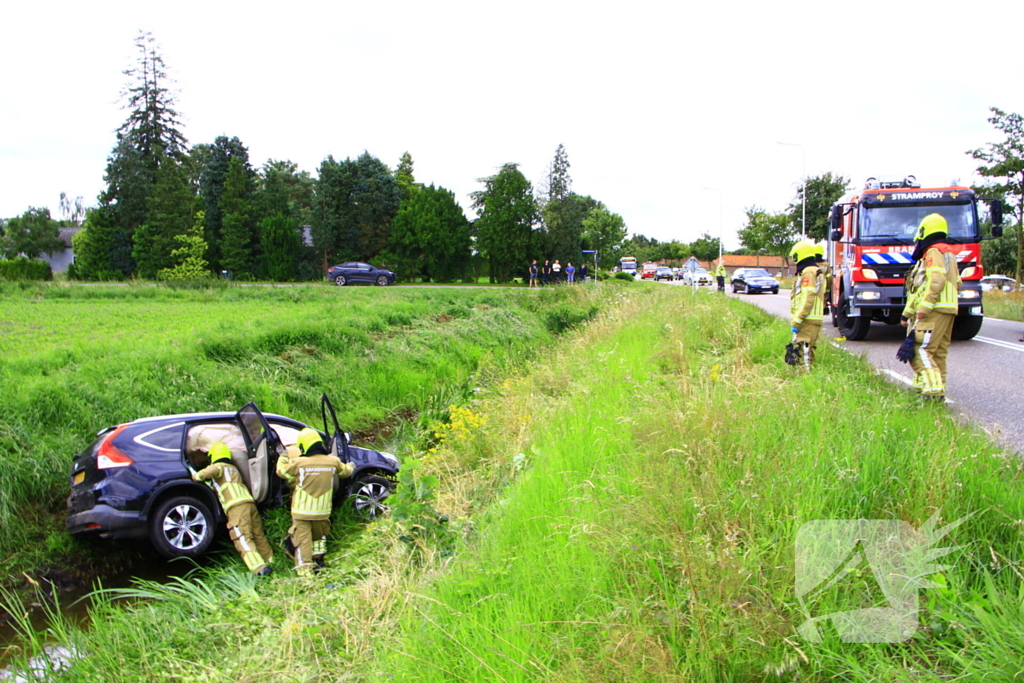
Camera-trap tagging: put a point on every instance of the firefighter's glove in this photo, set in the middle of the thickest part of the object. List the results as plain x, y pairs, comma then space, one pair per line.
794, 330
792, 354
905, 353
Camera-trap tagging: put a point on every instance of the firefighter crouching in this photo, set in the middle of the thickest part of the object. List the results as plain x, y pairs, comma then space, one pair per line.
311, 476
244, 523
933, 285
807, 302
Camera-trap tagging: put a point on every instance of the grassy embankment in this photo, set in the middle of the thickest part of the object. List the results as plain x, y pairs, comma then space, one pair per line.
76, 359
1005, 305
626, 511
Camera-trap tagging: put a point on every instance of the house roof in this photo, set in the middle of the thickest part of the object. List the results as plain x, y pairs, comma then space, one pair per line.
738, 261
66, 234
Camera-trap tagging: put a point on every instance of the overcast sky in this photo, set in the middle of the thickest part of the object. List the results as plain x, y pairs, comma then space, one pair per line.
654, 101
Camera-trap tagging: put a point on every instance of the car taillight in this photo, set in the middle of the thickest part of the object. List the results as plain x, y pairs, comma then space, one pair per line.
108, 455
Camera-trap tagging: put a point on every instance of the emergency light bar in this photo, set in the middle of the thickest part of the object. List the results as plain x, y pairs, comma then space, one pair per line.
886, 183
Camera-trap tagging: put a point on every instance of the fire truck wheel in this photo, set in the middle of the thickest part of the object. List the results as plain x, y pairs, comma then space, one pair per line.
966, 326
853, 328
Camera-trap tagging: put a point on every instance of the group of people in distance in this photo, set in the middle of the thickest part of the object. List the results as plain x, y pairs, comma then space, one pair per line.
552, 273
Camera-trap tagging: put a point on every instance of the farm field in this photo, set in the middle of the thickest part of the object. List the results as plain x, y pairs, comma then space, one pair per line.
622, 507
74, 360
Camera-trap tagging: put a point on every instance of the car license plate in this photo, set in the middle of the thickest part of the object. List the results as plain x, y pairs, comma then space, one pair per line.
79, 478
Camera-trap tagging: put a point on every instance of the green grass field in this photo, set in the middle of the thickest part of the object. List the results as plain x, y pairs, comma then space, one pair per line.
623, 508
75, 359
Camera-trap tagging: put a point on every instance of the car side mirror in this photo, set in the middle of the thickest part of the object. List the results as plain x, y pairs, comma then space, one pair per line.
996, 212
836, 235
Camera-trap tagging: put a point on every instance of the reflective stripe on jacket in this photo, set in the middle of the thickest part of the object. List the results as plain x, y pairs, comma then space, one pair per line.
313, 479
227, 482
934, 282
807, 300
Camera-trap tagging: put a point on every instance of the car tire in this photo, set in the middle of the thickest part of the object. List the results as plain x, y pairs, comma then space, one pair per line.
382, 280
181, 526
735, 289
340, 280
368, 494
775, 291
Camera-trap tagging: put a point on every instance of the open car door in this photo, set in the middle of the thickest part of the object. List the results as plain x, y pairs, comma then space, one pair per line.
338, 439
263, 447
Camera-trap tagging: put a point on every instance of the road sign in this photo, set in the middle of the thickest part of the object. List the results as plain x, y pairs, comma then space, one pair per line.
692, 264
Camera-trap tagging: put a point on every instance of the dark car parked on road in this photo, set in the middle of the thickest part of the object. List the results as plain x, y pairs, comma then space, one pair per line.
754, 281
134, 482
355, 271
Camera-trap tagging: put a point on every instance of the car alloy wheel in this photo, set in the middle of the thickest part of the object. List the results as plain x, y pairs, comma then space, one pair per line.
340, 280
181, 527
368, 496
382, 280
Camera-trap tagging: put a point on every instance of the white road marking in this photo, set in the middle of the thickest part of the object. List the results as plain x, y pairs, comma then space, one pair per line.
895, 375
1000, 342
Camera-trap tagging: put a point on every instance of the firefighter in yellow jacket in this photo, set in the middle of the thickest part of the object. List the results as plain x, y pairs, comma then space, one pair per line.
933, 286
720, 276
244, 523
311, 476
807, 302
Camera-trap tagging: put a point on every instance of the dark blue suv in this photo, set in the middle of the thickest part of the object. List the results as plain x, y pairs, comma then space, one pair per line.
355, 271
134, 482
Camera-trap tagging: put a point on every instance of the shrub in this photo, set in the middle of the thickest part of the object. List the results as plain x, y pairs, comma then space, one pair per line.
624, 276
21, 268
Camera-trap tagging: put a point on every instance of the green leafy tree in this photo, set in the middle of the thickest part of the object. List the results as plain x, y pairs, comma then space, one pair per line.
102, 249
333, 228
767, 233
375, 199
189, 257
430, 234
507, 214
1004, 162
404, 176
32, 234
169, 214
282, 244
706, 247
213, 178
642, 248
150, 133
563, 219
238, 235
281, 189
822, 192
605, 232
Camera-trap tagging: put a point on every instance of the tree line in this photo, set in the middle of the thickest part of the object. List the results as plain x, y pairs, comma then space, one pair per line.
172, 211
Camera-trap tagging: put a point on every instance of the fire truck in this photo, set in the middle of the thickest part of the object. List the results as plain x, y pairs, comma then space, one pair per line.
871, 240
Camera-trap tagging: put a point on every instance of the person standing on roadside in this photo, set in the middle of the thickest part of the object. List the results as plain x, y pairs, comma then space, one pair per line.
556, 271
933, 287
244, 524
311, 476
570, 273
533, 273
545, 272
583, 272
720, 276
807, 301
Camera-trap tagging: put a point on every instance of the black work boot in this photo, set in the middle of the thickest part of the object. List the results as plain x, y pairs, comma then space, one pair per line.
289, 547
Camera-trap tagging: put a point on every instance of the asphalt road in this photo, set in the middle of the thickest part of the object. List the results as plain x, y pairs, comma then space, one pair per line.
985, 375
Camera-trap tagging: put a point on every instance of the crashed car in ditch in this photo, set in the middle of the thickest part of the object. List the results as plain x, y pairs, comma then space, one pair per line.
134, 480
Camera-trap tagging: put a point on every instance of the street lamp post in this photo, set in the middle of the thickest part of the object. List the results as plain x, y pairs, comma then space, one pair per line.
803, 187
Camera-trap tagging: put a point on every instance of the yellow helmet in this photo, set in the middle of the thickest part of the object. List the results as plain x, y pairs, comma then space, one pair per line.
806, 249
308, 438
931, 224
219, 451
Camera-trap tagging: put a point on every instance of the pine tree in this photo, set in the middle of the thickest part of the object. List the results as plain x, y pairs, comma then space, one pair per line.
508, 212
150, 133
213, 176
169, 214
282, 243
430, 234
404, 176
238, 236
559, 182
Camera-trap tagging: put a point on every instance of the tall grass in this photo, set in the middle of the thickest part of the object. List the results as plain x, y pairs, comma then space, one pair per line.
625, 509
76, 359
1005, 305
671, 462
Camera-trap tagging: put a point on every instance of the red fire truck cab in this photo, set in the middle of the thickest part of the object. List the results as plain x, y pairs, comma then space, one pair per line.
870, 245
